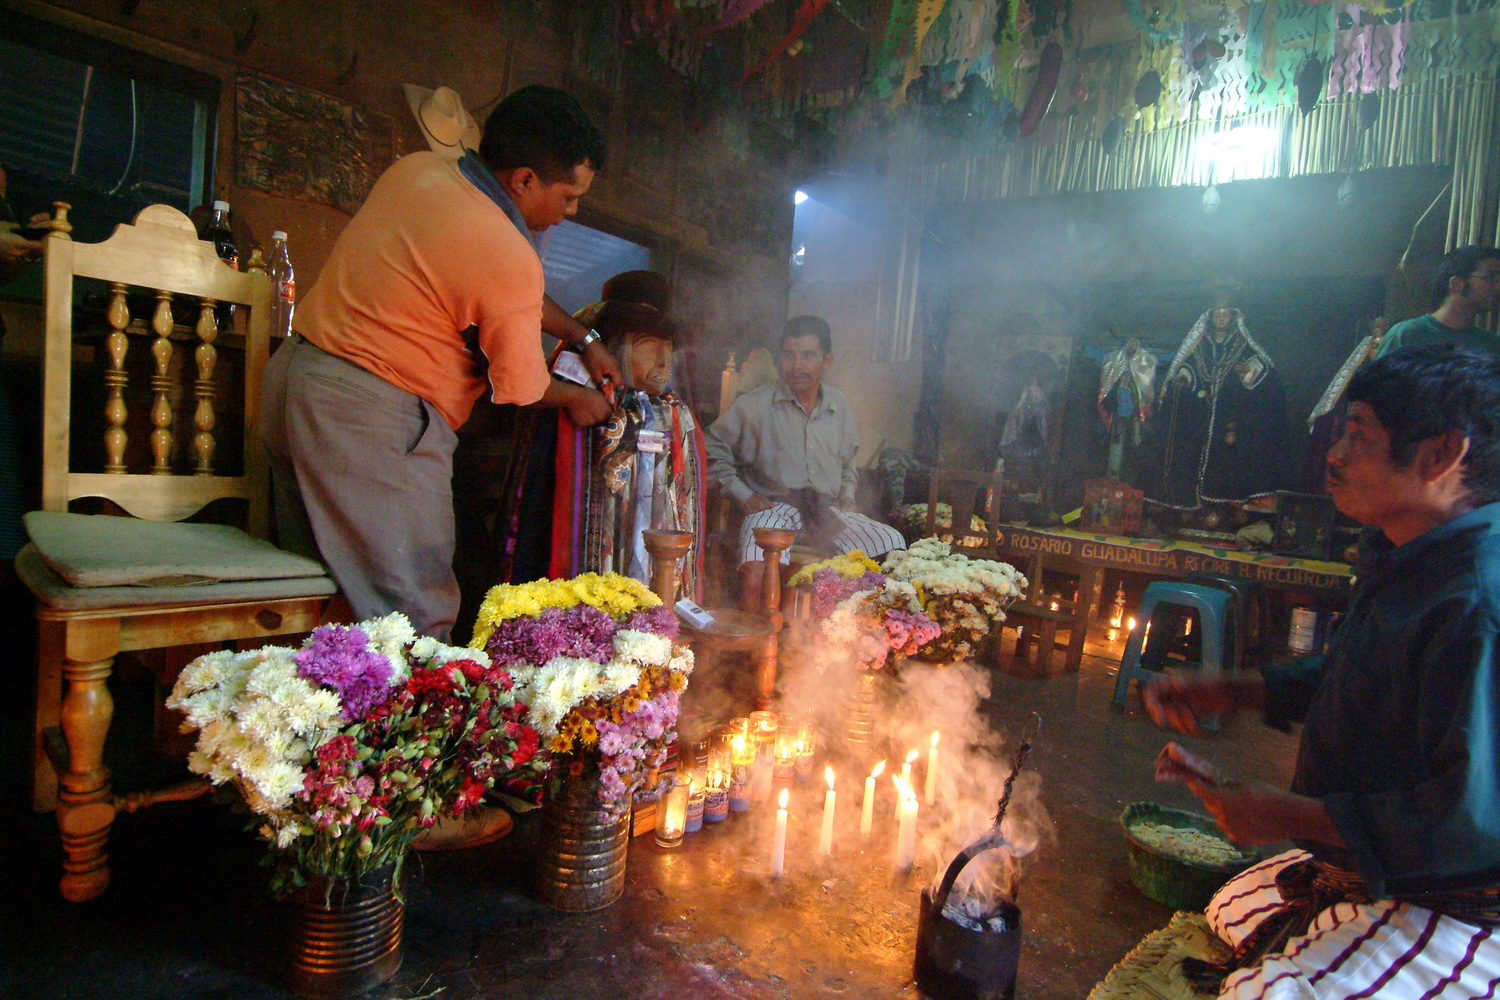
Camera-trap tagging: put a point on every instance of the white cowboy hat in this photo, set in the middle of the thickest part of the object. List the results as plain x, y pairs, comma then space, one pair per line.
448, 128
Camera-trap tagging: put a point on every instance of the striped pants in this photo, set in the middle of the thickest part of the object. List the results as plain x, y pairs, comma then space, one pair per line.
872, 537
1386, 949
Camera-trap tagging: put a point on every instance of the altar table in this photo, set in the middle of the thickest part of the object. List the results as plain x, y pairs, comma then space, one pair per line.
1089, 555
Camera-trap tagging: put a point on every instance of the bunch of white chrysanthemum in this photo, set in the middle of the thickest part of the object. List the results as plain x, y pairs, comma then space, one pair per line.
257, 721
561, 684
392, 635
967, 597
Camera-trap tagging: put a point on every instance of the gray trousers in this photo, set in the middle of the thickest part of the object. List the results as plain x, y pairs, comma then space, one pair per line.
361, 478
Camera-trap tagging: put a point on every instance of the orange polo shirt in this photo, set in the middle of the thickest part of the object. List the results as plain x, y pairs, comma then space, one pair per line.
428, 256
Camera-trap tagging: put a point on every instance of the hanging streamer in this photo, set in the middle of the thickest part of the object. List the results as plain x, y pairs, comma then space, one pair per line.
927, 13
801, 21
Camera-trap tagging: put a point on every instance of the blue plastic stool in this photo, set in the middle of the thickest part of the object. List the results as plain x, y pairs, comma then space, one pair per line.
1161, 608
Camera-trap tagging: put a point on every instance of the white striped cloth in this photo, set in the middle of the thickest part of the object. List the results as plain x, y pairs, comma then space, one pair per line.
1353, 951
860, 532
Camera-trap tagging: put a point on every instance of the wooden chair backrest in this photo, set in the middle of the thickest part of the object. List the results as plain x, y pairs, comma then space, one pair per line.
962, 489
159, 251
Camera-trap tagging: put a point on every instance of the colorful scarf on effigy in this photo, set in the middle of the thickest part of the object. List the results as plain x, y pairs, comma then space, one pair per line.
641, 469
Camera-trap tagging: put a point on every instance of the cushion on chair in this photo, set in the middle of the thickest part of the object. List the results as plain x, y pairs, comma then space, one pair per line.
98, 550
53, 591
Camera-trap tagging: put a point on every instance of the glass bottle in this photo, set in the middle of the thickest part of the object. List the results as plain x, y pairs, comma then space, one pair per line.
221, 236
283, 286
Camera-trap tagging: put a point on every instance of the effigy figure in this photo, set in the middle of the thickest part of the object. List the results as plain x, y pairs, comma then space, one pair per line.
643, 467
1222, 412
1127, 396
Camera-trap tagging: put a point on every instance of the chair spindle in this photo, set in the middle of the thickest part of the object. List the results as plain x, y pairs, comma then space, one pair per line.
161, 386
115, 379
207, 356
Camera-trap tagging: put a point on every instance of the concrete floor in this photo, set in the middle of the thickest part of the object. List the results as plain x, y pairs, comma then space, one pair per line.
187, 914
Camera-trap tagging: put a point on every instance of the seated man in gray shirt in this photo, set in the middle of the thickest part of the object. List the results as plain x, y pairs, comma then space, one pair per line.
794, 436
1467, 283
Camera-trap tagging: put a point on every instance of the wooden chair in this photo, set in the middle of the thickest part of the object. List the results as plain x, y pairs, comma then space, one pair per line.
968, 492
109, 584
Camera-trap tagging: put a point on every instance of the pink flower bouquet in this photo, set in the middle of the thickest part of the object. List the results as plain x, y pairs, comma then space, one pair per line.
350, 746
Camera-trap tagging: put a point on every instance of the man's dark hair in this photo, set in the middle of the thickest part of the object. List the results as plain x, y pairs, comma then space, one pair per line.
809, 326
544, 129
1458, 263
1420, 392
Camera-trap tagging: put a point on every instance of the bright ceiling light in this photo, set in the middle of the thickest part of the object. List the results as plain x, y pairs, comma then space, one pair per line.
799, 197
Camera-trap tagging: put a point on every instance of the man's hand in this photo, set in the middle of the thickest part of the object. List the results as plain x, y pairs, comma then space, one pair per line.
1253, 812
755, 503
602, 364
1178, 701
587, 407
13, 247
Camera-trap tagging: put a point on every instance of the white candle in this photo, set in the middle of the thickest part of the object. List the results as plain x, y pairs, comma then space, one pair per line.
778, 845
930, 792
906, 824
906, 767
825, 839
867, 812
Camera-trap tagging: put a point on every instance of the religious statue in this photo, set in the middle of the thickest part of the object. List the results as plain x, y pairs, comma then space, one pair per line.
1221, 417
1127, 396
641, 469
1325, 424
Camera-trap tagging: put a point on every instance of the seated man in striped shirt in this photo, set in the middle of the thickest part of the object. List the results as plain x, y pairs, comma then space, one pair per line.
1394, 890
793, 440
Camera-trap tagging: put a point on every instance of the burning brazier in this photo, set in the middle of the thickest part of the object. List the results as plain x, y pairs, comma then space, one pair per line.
969, 943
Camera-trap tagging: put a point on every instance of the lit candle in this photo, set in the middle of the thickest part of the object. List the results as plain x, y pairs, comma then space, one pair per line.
742, 760
697, 794
867, 813
786, 759
672, 819
716, 794
807, 746
778, 845
930, 792
825, 840
1130, 626
906, 767
906, 824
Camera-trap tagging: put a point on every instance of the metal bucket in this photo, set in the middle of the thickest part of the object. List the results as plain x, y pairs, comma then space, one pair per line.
583, 847
347, 940
958, 963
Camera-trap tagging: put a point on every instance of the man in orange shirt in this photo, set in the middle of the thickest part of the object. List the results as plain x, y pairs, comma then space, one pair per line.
432, 295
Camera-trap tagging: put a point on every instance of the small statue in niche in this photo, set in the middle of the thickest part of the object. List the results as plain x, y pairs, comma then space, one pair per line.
1222, 439
641, 469
1127, 397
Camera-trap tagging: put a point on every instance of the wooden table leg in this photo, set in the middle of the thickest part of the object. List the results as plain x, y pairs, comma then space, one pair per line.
1090, 595
85, 808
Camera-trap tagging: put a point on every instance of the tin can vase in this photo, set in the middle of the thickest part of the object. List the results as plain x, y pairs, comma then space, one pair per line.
583, 845
859, 717
344, 936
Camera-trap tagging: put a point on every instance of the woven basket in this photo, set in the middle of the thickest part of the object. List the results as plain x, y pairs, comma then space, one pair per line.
1172, 881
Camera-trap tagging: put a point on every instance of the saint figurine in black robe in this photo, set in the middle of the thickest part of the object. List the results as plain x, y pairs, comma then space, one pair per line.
1222, 418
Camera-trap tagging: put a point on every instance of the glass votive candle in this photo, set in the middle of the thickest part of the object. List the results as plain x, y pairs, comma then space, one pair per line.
785, 769
697, 792
742, 762
807, 749
763, 727
716, 794
671, 816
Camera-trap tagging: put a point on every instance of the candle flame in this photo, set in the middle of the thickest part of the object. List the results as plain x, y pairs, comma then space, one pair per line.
1131, 626
878, 768
781, 799
738, 742
913, 755
934, 737
828, 776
